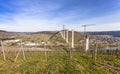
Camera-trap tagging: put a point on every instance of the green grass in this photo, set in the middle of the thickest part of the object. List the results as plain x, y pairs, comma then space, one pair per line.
58, 63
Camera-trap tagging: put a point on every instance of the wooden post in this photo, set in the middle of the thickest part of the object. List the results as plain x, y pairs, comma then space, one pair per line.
17, 55
45, 51
20, 51
106, 48
118, 47
3, 50
23, 52
117, 51
96, 50
69, 51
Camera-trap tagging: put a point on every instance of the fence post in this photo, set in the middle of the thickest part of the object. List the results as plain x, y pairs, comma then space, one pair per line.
19, 52
3, 50
45, 51
96, 50
23, 52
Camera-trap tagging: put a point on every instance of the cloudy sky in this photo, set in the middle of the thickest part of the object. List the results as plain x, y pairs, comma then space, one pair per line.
41, 15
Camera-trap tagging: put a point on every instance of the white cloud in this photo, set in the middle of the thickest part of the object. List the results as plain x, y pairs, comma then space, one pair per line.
105, 27
36, 16
31, 23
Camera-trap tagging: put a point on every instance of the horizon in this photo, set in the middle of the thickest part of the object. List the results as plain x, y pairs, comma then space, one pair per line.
59, 30
34, 16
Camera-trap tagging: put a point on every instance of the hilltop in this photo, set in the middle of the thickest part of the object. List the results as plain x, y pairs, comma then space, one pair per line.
6, 34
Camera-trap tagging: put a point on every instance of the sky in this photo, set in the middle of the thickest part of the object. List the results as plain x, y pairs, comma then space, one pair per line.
51, 15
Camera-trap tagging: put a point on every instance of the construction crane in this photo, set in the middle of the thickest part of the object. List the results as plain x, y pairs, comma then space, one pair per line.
85, 36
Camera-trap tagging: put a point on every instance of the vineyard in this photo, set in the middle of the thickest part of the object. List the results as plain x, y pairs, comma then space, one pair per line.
59, 36
66, 62
57, 56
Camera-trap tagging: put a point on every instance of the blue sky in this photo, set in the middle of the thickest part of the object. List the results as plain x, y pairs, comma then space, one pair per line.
40, 15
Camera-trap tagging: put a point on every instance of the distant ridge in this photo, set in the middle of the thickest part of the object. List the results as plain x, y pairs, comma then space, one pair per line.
45, 32
6, 34
2, 31
113, 33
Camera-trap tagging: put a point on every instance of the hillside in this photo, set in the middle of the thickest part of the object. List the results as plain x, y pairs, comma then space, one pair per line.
6, 34
50, 36
45, 32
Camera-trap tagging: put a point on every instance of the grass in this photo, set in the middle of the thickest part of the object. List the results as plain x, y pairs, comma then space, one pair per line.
59, 63
35, 37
